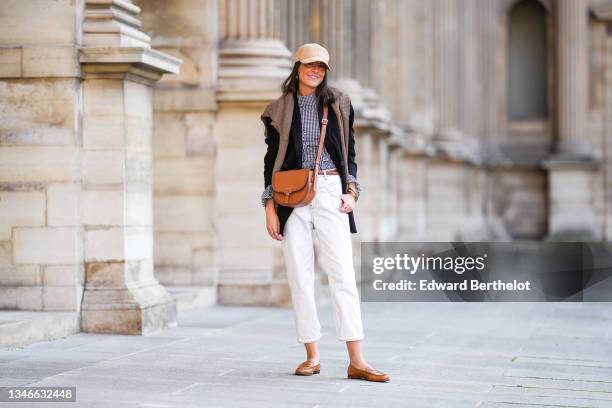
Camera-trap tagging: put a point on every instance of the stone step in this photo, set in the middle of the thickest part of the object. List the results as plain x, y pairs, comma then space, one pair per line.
21, 328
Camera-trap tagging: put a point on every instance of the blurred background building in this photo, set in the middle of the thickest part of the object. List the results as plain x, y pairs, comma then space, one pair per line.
124, 193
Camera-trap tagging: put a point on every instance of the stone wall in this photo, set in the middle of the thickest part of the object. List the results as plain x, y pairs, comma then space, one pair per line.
41, 236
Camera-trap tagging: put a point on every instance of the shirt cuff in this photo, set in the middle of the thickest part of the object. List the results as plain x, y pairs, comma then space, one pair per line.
351, 179
265, 195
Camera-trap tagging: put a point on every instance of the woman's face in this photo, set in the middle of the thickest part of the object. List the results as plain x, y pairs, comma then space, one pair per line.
311, 74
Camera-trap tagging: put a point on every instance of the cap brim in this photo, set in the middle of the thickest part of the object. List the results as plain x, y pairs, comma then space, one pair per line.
313, 59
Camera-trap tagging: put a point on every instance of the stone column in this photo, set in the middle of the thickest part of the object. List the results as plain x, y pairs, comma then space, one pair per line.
571, 168
361, 38
119, 67
490, 64
334, 31
295, 23
421, 62
369, 44
445, 60
447, 139
573, 77
471, 80
345, 28
253, 62
397, 79
445, 173
184, 149
469, 85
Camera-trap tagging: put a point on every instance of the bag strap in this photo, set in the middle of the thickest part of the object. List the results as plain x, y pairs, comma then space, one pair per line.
321, 140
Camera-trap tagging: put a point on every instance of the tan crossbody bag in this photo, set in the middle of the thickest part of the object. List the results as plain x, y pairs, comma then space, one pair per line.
297, 188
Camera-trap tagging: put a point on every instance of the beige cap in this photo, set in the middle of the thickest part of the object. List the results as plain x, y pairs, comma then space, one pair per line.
312, 52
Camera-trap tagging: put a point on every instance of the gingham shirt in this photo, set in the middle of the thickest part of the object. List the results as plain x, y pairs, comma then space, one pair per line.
310, 143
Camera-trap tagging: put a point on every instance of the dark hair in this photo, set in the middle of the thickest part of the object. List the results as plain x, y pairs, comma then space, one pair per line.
324, 94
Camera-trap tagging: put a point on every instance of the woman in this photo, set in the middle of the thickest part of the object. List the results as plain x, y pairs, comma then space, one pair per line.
325, 225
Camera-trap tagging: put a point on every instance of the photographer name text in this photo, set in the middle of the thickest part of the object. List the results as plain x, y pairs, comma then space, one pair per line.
458, 265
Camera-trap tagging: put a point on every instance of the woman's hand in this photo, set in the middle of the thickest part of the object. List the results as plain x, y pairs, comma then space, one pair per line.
272, 222
347, 203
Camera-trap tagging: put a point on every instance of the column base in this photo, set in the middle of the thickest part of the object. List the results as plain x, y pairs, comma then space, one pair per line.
571, 198
252, 70
137, 310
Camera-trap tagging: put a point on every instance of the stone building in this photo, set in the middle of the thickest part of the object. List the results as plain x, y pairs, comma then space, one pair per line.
131, 149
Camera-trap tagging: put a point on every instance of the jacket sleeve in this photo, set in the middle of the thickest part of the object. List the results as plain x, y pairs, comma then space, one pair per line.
352, 165
272, 139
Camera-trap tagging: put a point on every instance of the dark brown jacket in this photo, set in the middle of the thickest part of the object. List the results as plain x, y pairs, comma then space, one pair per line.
283, 127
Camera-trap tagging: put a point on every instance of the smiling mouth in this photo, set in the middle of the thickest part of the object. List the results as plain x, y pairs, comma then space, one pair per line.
313, 77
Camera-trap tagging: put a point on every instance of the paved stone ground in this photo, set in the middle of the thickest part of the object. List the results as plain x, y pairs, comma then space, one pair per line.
438, 354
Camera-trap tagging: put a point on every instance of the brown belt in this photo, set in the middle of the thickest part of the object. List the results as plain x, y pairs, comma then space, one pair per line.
329, 172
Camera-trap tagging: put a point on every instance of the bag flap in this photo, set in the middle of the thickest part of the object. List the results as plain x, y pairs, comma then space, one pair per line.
289, 181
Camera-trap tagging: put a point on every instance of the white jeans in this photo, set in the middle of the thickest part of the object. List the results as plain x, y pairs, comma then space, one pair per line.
320, 228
